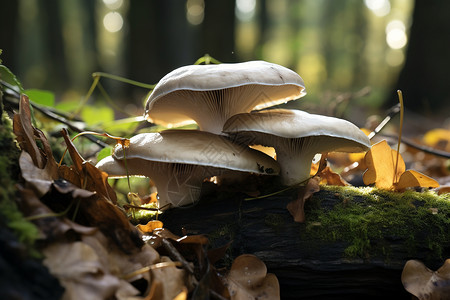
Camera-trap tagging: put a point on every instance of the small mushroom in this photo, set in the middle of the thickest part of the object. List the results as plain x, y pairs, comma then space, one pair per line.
424, 283
296, 136
210, 94
179, 160
248, 279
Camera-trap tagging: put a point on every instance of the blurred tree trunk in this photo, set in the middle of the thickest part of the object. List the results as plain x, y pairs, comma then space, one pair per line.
218, 30
159, 39
424, 79
8, 30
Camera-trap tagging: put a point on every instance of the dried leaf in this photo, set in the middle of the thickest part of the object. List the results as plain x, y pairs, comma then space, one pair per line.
171, 278
80, 270
327, 176
296, 207
25, 132
413, 178
380, 162
150, 226
248, 279
50, 226
438, 137
37, 178
424, 283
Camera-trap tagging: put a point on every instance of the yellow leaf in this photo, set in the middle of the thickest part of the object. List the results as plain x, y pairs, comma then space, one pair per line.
434, 136
150, 226
380, 161
413, 178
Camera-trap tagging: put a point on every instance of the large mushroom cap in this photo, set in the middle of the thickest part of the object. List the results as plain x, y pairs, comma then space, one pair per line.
196, 148
210, 94
296, 136
294, 124
179, 160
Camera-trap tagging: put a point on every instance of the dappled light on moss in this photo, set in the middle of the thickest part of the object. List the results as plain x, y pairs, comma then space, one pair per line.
369, 229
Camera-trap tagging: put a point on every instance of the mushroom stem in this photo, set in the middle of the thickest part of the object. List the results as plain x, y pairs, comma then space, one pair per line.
295, 166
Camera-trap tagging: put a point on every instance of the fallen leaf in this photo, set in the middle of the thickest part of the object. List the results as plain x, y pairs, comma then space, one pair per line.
81, 272
327, 176
25, 132
150, 226
425, 283
51, 226
296, 207
413, 178
439, 138
171, 278
248, 279
380, 162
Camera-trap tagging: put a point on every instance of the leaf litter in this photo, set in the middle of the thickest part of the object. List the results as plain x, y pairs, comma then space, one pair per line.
89, 244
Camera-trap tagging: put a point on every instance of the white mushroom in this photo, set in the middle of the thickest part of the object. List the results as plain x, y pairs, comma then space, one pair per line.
296, 136
210, 94
179, 160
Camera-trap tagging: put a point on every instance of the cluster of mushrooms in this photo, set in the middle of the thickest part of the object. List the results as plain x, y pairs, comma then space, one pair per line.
229, 104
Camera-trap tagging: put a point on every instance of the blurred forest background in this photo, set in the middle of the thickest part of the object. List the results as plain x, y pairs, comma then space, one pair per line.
349, 52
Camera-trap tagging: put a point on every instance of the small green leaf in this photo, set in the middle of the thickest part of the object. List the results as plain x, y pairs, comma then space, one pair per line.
68, 105
123, 126
104, 153
42, 97
7, 76
97, 115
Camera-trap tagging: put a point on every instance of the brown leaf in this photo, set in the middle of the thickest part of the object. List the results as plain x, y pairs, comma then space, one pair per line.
84, 174
425, 283
296, 207
327, 176
50, 226
248, 279
39, 179
171, 278
25, 132
80, 270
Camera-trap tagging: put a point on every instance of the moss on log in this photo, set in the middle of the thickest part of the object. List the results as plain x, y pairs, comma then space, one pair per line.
353, 244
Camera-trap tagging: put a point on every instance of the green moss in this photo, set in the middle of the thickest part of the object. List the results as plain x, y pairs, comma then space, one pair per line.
26, 232
142, 216
369, 220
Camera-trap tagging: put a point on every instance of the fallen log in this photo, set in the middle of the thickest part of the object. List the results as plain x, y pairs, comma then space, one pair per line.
353, 244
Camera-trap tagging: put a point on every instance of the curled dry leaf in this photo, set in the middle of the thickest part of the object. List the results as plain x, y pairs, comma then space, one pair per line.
50, 226
296, 207
248, 279
25, 132
150, 226
381, 162
327, 176
425, 283
168, 282
80, 271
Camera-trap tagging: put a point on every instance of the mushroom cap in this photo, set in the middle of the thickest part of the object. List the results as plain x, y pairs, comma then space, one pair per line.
194, 147
295, 124
260, 84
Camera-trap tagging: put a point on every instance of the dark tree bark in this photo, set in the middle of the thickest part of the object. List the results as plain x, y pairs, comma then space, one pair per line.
309, 266
424, 79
